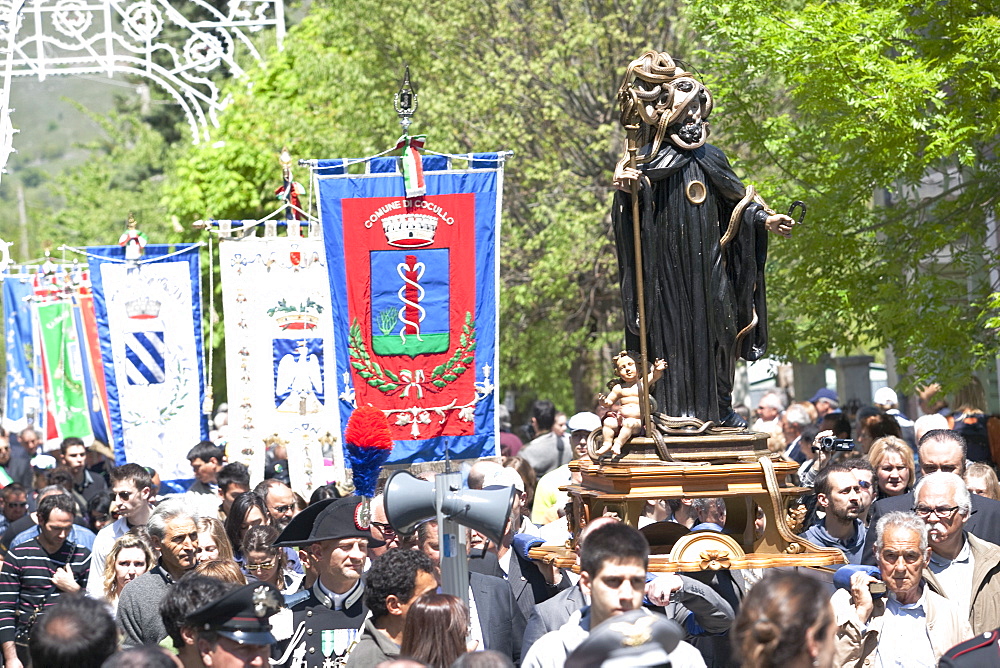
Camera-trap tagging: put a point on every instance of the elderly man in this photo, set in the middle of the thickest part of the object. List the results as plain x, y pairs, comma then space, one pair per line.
839, 495
825, 400
942, 450
963, 568
381, 529
912, 625
769, 410
793, 423
174, 531
337, 537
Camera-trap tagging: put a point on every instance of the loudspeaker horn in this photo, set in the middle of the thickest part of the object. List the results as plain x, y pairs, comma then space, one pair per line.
482, 510
408, 501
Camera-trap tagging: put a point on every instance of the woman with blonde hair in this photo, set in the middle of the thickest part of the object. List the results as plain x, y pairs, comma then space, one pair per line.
130, 557
892, 459
981, 479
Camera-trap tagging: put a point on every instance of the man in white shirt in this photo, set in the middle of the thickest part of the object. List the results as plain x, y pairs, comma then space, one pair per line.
131, 487
613, 563
911, 625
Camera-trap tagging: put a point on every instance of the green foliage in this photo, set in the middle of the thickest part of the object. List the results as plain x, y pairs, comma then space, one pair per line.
854, 107
545, 89
883, 117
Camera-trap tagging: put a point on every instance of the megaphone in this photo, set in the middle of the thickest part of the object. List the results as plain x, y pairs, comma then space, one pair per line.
410, 501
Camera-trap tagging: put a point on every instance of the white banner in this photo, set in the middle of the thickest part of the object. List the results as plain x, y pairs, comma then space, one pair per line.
154, 336
279, 357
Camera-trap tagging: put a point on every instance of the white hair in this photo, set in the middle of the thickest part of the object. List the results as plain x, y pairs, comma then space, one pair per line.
947, 479
798, 416
772, 400
897, 519
168, 509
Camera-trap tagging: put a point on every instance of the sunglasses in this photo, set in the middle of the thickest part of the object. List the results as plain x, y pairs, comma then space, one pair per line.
259, 568
124, 496
385, 529
281, 510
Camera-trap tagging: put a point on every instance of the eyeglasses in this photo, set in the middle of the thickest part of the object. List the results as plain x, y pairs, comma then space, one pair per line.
942, 513
124, 496
932, 468
259, 568
281, 510
385, 529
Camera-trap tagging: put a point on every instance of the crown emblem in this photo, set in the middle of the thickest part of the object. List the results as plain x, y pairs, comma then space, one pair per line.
409, 230
291, 316
143, 308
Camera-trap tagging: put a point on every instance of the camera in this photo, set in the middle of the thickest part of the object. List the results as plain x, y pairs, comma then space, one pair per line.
831, 444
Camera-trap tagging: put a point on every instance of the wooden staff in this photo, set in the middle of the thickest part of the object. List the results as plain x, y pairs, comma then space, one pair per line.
630, 143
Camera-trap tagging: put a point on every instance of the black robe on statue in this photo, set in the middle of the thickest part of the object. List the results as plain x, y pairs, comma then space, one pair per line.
699, 296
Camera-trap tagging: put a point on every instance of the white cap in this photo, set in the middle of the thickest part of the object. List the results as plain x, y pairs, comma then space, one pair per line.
505, 477
585, 421
885, 396
44, 462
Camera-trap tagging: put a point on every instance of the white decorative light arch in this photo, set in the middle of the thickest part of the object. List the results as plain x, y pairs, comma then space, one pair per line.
149, 38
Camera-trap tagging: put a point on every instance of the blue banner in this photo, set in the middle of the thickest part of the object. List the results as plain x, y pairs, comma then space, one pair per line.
23, 400
414, 285
149, 324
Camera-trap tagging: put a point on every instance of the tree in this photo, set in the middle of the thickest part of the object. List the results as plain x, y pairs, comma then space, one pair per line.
539, 78
883, 116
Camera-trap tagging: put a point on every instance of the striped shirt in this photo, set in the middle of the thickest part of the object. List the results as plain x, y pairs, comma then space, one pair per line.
26, 579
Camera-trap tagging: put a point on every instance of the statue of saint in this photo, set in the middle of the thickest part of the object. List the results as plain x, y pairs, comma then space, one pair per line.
703, 244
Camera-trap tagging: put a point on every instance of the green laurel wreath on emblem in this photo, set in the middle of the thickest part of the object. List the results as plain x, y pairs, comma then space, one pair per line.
386, 381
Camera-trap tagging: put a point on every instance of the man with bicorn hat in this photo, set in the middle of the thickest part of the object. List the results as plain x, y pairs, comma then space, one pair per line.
337, 535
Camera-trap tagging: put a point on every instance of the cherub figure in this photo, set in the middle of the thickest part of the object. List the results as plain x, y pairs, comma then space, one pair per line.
623, 424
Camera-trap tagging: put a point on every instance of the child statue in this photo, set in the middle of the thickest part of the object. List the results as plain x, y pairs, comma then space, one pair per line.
622, 424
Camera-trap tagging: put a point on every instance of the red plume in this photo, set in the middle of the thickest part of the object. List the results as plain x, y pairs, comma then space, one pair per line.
368, 428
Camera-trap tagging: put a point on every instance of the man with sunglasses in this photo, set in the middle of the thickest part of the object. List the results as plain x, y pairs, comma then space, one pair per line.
131, 488
962, 568
909, 626
943, 450
14, 503
280, 501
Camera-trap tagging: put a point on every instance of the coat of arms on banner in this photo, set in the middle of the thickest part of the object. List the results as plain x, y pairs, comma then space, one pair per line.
411, 299
413, 286
144, 342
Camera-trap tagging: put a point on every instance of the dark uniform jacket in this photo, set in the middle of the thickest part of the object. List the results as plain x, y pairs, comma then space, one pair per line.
321, 632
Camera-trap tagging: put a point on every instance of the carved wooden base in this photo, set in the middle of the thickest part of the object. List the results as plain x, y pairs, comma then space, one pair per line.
737, 467
642, 451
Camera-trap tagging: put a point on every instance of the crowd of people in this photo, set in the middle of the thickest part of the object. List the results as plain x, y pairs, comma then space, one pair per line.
100, 568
